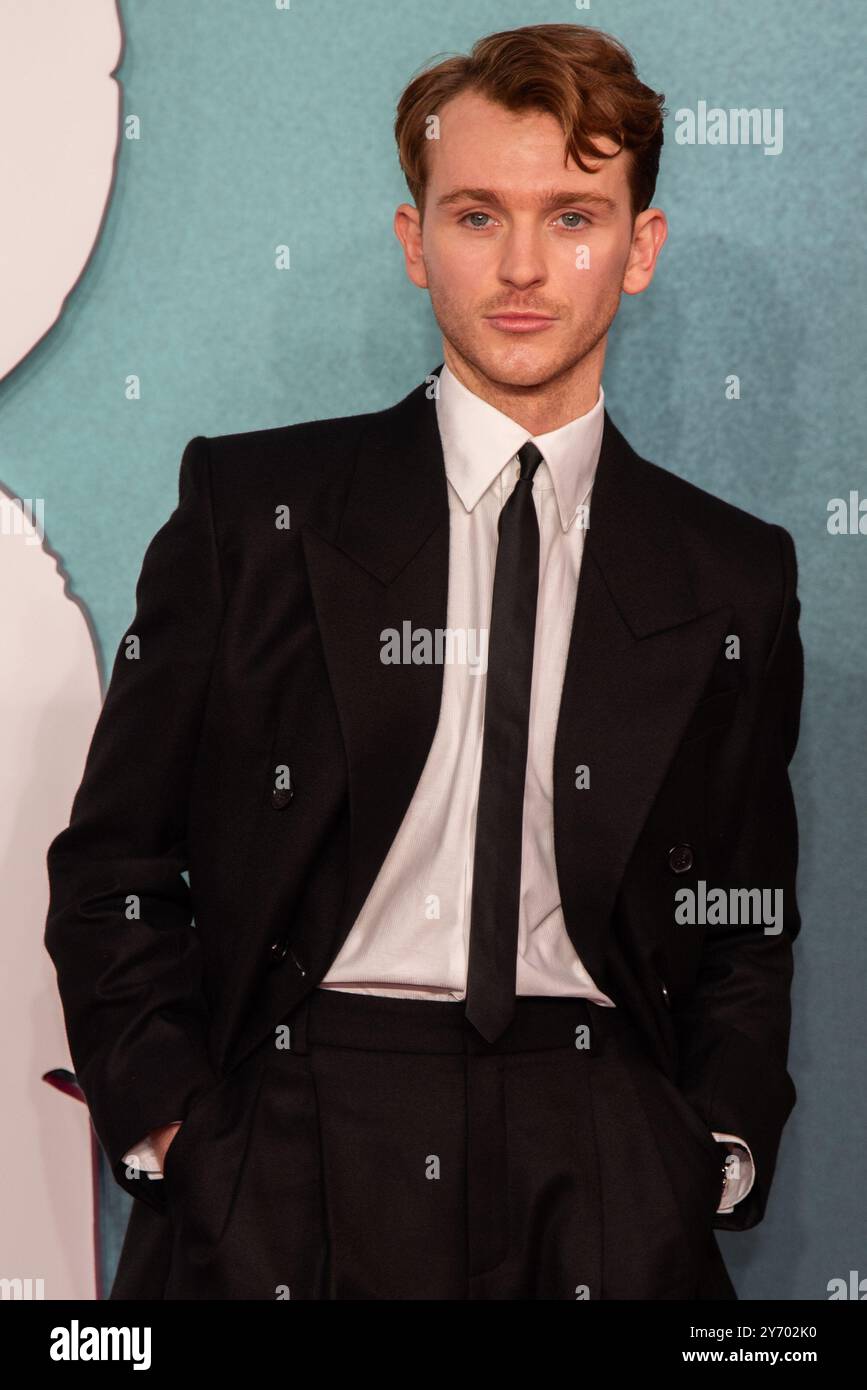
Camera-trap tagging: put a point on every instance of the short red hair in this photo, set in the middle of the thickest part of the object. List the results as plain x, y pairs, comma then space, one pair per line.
584, 77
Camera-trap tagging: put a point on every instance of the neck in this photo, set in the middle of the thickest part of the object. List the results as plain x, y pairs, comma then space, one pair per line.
542, 407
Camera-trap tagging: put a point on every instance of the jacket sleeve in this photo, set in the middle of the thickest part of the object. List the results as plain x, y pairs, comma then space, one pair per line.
734, 1029
119, 926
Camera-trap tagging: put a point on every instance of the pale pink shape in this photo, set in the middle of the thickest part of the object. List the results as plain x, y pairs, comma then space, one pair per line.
59, 109
49, 702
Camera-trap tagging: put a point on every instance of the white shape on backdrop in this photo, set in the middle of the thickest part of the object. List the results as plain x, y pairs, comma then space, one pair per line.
49, 701
59, 107
59, 111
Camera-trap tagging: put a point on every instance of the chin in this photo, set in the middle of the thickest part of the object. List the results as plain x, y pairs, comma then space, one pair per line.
517, 366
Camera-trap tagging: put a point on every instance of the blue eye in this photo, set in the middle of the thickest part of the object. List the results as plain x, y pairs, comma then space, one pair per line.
576, 225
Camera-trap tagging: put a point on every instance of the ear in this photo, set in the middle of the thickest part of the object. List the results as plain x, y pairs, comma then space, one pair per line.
407, 229
648, 238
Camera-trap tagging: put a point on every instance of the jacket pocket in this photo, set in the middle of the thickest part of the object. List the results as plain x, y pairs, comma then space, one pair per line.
693, 1121
176, 1152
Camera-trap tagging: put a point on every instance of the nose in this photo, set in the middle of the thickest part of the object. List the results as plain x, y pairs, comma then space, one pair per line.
522, 262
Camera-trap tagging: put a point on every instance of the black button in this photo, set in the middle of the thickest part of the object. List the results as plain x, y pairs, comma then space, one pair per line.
680, 858
299, 964
279, 951
665, 995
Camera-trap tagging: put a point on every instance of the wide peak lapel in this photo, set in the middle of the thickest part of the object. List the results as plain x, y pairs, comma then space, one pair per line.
385, 570
641, 651
398, 493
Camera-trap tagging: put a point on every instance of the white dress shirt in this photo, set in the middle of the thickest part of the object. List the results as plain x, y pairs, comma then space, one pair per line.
411, 937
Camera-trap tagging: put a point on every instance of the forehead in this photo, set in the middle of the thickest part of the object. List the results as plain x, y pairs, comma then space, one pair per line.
481, 142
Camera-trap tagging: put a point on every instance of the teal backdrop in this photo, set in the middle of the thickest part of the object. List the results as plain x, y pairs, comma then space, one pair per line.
263, 126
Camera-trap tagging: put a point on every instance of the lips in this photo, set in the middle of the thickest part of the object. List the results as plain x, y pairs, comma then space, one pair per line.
519, 322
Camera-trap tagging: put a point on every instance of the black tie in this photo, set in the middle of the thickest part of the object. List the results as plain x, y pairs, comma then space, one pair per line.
493, 953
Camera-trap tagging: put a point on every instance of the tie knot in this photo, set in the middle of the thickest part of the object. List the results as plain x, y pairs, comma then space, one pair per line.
529, 458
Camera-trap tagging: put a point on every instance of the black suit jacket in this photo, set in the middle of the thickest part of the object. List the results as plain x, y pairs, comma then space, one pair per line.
259, 650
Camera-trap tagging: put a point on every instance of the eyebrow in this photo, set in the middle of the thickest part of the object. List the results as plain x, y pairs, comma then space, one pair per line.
546, 201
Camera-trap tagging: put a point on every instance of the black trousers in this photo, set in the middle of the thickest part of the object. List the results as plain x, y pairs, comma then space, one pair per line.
391, 1153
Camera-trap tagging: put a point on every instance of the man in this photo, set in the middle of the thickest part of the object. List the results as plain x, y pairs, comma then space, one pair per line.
481, 803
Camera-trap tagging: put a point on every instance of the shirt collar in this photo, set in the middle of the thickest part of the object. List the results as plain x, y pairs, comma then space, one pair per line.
479, 441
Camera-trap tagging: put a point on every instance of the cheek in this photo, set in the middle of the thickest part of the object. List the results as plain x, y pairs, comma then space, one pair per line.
589, 276
453, 279
462, 259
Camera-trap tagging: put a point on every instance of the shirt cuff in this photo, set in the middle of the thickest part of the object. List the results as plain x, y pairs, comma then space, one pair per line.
143, 1157
741, 1168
